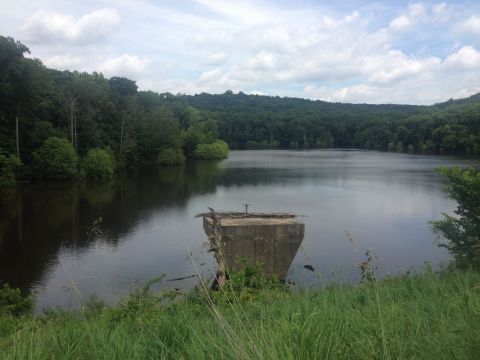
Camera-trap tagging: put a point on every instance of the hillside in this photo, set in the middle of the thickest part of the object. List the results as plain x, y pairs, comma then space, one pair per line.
262, 121
91, 111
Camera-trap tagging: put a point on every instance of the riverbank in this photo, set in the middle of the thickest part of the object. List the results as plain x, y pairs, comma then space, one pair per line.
426, 316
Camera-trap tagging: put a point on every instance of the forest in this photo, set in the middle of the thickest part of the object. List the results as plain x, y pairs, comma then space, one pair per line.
252, 121
63, 124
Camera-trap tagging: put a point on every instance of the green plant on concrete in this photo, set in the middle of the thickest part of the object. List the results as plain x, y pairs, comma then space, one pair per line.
8, 167
214, 151
463, 230
56, 160
98, 164
171, 156
247, 284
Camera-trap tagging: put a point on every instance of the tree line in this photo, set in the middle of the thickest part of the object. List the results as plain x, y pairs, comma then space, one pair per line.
98, 124
50, 121
252, 121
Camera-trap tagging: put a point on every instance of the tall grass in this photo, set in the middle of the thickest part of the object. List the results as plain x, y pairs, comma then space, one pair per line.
424, 316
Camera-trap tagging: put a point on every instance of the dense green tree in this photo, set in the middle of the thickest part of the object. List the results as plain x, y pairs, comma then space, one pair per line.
8, 167
171, 156
98, 164
157, 130
91, 111
462, 231
214, 151
56, 159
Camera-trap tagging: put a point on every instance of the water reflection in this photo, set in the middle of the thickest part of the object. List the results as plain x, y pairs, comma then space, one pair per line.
384, 200
36, 220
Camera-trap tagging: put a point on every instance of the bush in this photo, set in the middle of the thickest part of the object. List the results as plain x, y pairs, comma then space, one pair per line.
214, 151
12, 306
13, 303
98, 164
8, 166
171, 156
56, 160
462, 231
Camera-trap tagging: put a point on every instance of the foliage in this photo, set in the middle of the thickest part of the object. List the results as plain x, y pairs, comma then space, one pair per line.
425, 316
8, 167
56, 160
92, 112
98, 164
245, 121
12, 302
171, 156
95, 112
462, 231
248, 284
158, 130
139, 305
214, 151
12, 306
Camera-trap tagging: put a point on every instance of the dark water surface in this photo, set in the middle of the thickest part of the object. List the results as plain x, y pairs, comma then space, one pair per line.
149, 228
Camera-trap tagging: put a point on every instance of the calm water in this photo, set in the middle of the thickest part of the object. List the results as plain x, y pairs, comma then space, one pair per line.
149, 228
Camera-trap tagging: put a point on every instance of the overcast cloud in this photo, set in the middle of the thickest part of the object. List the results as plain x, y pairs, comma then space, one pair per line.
348, 51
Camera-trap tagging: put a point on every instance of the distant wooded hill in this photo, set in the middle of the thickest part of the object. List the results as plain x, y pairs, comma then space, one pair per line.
251, 121
91, 111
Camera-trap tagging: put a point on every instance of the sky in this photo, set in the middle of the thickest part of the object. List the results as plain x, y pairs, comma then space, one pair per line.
341, 51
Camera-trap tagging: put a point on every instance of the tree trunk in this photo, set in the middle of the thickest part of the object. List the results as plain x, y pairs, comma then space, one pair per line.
17, 135
124, 119
20, 216
132, 104
75, 125
71, 120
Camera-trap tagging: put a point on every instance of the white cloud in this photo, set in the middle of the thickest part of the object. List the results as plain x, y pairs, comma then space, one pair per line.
415, 13
311, 49
64, 62
216, 58
441, 12
125, 65
465, 58
471, 25
50, 27
245, 11
416, 10
463, 93
256, 92
403, 79
400, 23
396, 67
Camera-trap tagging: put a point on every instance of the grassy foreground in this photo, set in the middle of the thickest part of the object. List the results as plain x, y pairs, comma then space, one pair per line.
427, 316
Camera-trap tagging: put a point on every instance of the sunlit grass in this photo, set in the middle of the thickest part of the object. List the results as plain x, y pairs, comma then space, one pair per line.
412, 317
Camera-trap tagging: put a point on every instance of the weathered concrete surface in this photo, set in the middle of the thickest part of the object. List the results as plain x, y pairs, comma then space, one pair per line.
271, 240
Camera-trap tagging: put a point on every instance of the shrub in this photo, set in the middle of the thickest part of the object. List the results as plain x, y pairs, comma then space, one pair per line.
462, 231
56, 160
214, 151
98, 164
8, 166
248, 283
13, 303
12, 306
171, 156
